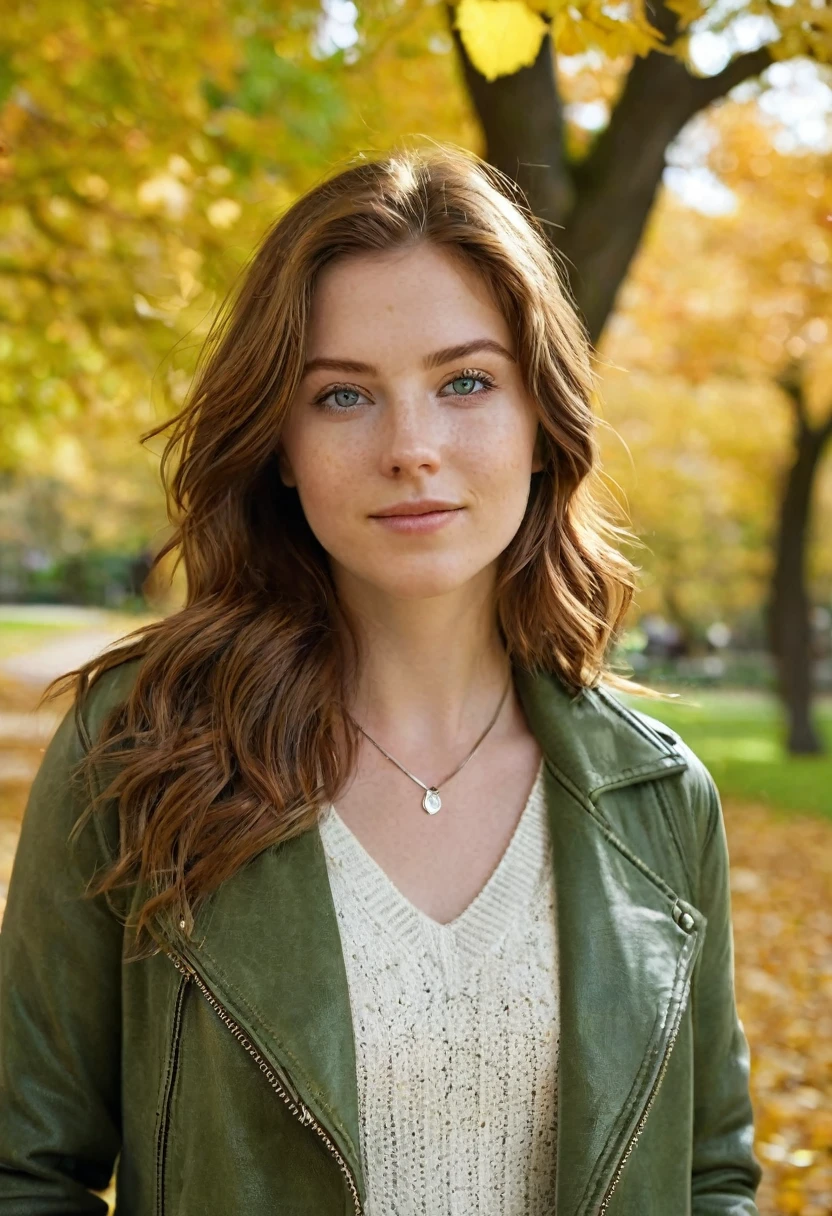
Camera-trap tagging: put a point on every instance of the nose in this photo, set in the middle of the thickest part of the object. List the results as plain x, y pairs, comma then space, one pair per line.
411, 440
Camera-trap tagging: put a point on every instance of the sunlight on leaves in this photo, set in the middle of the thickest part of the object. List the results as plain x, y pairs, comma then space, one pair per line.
500, 36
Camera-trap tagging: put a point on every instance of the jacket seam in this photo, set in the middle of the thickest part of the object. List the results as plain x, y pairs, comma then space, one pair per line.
712, 801
90, 770
95, 788
664, 801
166, 1091
81, 724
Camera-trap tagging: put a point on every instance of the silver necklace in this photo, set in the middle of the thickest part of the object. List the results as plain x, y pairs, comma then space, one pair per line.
431, 800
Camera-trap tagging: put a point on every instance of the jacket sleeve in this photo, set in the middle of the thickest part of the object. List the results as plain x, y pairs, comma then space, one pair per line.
60, 1013
725, 1171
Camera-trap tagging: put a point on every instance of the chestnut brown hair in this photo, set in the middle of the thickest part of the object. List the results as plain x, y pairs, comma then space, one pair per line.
235, 727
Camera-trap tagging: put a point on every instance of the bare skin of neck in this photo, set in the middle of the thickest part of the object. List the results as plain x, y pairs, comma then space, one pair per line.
432, 674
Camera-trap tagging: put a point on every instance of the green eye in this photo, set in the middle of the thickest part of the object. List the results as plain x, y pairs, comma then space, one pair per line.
467, 382
464, 385
338, 404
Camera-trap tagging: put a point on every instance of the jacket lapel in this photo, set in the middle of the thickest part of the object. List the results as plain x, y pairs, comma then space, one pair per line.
624, 962
268, 945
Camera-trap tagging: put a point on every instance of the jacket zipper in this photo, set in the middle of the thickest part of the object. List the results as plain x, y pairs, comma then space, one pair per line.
164, 1122
281, 1084
275, 1076
640, 1125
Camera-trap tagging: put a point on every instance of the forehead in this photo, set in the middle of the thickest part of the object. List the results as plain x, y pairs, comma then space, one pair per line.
412, 300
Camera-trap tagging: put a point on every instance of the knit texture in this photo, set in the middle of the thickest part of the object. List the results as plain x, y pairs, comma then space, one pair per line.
456, 1031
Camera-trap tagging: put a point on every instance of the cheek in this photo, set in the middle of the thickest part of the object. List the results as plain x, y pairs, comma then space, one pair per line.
328, 482
499, 460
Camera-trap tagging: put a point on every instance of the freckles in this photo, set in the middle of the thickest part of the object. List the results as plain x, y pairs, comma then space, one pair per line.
322, 483
327, 461
502, 453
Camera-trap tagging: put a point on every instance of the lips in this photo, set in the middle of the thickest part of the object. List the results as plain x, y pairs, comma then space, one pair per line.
423, 506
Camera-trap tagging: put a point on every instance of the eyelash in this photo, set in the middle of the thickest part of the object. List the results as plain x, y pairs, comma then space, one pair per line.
468, 373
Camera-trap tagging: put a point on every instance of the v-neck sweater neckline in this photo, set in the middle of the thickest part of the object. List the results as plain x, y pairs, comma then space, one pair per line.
484, 923
455, 1029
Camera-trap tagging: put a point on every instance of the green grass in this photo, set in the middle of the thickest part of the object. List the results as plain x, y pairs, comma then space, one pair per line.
20, 637
739, 736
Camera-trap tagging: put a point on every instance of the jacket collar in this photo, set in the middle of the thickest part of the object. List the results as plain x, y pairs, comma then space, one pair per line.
268, 946
593, 741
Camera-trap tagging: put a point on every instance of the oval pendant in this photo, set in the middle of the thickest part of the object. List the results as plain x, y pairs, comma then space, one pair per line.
431, 801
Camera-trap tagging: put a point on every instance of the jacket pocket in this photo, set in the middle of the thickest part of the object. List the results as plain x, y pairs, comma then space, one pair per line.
168, 1086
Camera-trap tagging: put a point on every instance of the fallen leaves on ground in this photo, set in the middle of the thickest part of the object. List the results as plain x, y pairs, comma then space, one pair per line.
781, 880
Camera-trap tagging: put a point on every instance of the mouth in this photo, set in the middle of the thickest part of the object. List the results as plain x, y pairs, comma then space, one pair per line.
424, 507
418, 518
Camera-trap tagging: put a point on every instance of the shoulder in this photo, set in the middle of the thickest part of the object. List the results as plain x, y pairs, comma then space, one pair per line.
104, 694
65, 782
689, 793
602, 748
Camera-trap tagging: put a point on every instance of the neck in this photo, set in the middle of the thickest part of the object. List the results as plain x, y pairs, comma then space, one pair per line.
431, 671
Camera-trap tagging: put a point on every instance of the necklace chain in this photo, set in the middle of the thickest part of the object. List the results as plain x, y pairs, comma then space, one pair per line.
431, 801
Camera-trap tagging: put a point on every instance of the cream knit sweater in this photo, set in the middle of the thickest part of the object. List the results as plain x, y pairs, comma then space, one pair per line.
456, 1031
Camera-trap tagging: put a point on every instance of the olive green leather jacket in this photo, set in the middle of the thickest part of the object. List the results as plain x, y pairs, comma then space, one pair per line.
219, 1074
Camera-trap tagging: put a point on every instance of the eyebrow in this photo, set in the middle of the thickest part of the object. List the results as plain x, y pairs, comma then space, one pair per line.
446, 355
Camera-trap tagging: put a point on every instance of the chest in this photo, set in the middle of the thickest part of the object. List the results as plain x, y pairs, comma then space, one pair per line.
440, 862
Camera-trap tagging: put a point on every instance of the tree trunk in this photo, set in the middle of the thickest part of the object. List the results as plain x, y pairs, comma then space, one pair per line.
594, 211
790, 630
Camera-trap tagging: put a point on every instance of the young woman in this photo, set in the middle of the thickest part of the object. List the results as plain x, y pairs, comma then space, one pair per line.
352, 886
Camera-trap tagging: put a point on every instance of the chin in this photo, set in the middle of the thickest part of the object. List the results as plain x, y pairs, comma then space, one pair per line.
422, 582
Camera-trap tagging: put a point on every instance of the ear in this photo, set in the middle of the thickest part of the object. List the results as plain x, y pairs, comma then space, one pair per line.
284, 467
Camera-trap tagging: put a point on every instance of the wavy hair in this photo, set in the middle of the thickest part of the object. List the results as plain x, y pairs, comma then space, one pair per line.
236, 728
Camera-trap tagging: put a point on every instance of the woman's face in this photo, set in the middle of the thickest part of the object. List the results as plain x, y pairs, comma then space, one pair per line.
410, 393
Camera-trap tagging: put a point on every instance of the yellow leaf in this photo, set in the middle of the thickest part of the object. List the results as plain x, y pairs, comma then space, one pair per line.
549, 7
499, 36
569, 35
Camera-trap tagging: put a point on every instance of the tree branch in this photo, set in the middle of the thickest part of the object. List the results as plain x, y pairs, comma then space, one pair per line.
707, 89
622, 174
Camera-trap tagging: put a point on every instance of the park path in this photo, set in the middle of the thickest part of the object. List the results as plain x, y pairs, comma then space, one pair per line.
61, 654
86, 632
25, 731
23, 676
